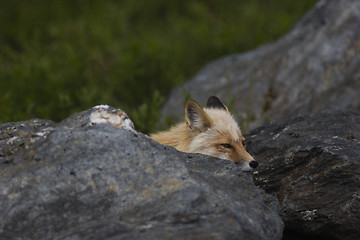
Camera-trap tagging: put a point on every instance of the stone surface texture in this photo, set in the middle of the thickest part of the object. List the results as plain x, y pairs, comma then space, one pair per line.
91, 179
312, 164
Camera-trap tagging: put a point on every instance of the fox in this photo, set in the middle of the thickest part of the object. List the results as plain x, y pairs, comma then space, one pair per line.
212, 131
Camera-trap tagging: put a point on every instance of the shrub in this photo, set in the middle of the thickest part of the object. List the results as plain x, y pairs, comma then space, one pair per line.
60, 57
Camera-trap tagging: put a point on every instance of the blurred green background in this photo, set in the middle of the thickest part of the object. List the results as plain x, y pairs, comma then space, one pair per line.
61, 57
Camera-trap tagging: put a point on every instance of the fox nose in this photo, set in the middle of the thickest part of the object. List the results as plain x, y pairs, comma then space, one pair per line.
253, 164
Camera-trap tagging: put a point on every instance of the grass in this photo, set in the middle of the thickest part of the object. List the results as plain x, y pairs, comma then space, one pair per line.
60, 57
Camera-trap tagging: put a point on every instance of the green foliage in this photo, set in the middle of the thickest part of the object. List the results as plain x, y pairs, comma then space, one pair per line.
59, 57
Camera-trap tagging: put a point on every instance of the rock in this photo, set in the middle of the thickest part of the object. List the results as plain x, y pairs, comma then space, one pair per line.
312, 164
99, 114
86, 178
18, 135
316, 66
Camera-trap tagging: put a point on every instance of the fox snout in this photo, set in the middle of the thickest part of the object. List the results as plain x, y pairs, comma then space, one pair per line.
253, 164
239, 155
248, 166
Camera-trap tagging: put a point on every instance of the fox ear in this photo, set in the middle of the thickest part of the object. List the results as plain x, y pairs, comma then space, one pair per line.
214, 102
196, 117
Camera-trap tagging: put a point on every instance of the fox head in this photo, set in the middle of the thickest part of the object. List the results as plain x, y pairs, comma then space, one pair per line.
214, 132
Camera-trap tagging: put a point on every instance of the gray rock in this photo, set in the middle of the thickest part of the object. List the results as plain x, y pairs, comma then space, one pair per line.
312, 164
316, 66
18, 135
84, 179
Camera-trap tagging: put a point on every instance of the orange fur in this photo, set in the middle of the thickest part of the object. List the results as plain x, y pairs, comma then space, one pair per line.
211, 131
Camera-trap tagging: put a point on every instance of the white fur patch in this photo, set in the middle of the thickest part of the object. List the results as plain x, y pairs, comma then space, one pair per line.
224, 122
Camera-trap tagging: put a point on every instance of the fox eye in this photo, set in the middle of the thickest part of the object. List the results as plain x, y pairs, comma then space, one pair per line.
244, 144
226, 145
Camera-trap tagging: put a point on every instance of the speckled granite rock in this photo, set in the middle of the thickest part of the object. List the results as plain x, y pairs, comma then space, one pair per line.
312, 164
